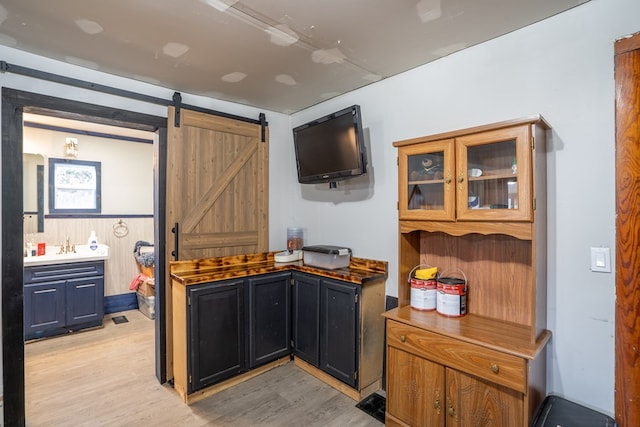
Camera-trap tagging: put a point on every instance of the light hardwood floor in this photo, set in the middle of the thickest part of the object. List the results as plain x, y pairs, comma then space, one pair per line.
105, 377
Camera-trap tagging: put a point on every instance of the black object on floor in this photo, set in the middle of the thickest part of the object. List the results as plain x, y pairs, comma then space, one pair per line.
120, 319
374, 405
556, 411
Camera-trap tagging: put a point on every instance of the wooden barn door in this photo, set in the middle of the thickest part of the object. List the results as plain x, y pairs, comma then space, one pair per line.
627, 383
217, 192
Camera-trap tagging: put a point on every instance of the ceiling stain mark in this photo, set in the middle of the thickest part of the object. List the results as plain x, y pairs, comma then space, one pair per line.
372, 77
88, 26
429, 10
286, 79
282, 35
328, 56
175, 50
234, 77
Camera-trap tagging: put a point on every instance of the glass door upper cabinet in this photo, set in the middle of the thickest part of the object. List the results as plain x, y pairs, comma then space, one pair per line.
493, 175
427, 185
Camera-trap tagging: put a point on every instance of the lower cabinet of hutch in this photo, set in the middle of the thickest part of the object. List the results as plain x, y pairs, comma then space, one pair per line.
428, 387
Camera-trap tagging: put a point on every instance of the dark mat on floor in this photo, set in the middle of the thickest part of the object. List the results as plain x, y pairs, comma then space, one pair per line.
120, 319
374, 405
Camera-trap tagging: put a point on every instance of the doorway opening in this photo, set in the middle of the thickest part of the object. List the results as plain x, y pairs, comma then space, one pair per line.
14, 104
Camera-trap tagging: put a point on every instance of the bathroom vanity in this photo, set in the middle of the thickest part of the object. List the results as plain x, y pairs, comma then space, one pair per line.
63, 292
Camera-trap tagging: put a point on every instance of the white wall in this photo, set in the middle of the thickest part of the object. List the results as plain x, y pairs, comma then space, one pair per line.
561, 68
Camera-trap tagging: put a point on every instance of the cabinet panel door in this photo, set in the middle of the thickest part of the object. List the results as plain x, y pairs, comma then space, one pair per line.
216, 331
84, 298
306, 318
472, 402
494, 175
339, 335
270, 318
43, 307
415, 389
426, 181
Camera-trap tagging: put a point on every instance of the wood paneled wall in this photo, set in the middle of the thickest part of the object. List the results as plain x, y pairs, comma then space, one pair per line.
121, 267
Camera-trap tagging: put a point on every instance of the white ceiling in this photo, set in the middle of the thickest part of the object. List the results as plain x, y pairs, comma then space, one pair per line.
280, 55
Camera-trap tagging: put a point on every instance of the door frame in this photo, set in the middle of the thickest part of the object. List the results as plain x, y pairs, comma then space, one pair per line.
14, 104
627, 335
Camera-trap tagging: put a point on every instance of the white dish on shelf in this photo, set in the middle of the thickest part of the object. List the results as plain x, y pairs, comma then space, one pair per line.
475, 172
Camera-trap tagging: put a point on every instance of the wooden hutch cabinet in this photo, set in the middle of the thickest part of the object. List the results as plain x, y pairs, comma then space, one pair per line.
474, 201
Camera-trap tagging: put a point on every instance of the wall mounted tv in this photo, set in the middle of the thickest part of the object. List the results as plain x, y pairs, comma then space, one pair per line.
331, 148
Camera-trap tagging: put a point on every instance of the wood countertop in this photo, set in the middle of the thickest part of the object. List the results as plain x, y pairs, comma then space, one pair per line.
192, 272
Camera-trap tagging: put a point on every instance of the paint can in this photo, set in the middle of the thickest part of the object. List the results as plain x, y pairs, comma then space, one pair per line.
452, 294
424, 284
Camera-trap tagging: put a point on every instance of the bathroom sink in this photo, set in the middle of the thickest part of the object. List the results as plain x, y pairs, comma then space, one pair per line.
82, 253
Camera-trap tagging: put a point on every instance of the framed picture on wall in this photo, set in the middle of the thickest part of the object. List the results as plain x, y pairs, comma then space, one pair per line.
74, 186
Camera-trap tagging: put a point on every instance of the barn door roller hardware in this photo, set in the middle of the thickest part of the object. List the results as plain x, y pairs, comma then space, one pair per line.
6, 67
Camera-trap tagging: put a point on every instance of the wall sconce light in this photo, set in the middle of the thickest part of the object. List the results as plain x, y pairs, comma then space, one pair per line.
71, 147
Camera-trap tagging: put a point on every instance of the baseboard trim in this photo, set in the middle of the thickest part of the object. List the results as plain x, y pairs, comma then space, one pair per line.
121, 302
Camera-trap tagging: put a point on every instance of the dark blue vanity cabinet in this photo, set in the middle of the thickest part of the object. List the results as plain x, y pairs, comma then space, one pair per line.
61, 298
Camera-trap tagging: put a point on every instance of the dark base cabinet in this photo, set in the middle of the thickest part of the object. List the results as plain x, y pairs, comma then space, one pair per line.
339, 330
236, 325
269, 318
306, 318
239, 323
216, 328
325, 325
62, 298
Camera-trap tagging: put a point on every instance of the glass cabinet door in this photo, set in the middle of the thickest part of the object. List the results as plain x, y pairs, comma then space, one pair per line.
493, 175
427, 186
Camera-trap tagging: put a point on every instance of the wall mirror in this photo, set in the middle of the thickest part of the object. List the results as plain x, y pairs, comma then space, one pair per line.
33, 192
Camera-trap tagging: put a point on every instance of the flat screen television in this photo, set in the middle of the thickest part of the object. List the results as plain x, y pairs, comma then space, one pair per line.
331, 148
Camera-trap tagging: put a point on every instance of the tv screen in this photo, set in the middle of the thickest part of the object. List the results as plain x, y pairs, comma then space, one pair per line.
330, 148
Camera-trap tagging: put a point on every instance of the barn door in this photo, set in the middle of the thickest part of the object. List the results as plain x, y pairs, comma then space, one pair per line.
217, 191
217, 187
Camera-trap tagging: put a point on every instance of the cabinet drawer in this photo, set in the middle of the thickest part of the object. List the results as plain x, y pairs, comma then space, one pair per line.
491, 365
46, 273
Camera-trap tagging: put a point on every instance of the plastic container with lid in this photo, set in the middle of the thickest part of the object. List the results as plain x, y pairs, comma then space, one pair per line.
330, 257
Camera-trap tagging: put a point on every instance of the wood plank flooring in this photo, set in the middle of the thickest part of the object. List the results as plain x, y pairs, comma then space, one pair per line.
105, 377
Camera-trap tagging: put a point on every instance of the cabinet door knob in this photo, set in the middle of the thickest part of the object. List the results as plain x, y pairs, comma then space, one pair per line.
460, 179
436, 405
452, 412
447, 180
495, 368
403, 338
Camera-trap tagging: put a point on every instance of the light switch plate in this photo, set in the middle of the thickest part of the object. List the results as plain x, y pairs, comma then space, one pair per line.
601, 260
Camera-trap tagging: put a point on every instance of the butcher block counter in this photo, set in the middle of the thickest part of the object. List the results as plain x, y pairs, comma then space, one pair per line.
238, 316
